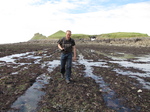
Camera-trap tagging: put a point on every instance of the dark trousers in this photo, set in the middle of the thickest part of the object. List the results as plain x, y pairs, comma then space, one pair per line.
66, 64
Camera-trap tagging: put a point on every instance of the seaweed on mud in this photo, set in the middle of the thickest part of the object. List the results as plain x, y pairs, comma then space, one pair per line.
83, 93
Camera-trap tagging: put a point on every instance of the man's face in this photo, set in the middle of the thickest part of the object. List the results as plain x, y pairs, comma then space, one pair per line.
68, 35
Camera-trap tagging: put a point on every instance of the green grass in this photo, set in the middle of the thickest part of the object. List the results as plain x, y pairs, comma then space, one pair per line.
57, 35
79, 36
61, 34
122, 35
38, 36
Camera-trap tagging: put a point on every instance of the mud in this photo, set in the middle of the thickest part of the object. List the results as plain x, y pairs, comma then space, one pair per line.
104, 78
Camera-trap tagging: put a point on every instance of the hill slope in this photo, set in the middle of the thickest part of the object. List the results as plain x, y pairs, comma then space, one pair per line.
59, 34
38, 36
122, 35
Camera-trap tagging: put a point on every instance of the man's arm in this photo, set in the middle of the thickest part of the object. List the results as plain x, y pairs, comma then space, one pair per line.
74, 53
59, 46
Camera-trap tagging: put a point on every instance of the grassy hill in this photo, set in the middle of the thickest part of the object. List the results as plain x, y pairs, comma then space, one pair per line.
79, 36
59, 34
122, 35
38, 36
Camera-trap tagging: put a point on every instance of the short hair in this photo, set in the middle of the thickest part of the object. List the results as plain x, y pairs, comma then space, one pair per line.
68, 31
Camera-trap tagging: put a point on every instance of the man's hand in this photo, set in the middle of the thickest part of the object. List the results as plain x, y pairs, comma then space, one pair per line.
62, 49
74, 58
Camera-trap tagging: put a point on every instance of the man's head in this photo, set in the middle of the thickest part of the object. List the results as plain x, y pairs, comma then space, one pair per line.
68, 34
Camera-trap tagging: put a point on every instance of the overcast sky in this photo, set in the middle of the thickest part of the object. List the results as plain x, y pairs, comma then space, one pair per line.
21, 19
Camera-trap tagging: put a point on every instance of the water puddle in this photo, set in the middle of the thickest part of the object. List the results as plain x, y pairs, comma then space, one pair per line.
140, 62
109, 94
29, 100
11, 58
137, 76
146, 59
145, 67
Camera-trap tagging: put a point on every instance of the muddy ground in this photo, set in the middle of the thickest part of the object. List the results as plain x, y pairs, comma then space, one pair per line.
120, 93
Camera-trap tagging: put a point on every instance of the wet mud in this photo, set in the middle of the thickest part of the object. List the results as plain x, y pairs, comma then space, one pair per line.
104, 78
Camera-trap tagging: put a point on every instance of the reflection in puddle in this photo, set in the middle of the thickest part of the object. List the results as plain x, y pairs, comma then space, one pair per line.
109, 94
28, 101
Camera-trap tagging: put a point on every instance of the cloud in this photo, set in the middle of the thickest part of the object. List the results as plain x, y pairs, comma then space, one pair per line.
21, 19
126, 18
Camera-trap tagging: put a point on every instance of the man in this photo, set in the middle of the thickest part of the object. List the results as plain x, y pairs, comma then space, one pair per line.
67, 46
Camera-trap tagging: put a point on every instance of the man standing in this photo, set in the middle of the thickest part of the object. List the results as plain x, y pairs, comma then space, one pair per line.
67, 46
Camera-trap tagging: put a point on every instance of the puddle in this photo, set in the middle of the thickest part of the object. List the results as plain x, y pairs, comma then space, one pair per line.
121, 56
51, 64
109, 94
116, 55
29, 100
144, 67
142, 63
137, 76
140, 66
145, 59
10, 58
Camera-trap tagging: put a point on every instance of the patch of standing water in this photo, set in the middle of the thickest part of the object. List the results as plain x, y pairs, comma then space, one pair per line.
145, 84
10, 57
28, 102
145, 58
51, 64
140, 62
122, 60
121, 56
141, 66
109, 94
138, 65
